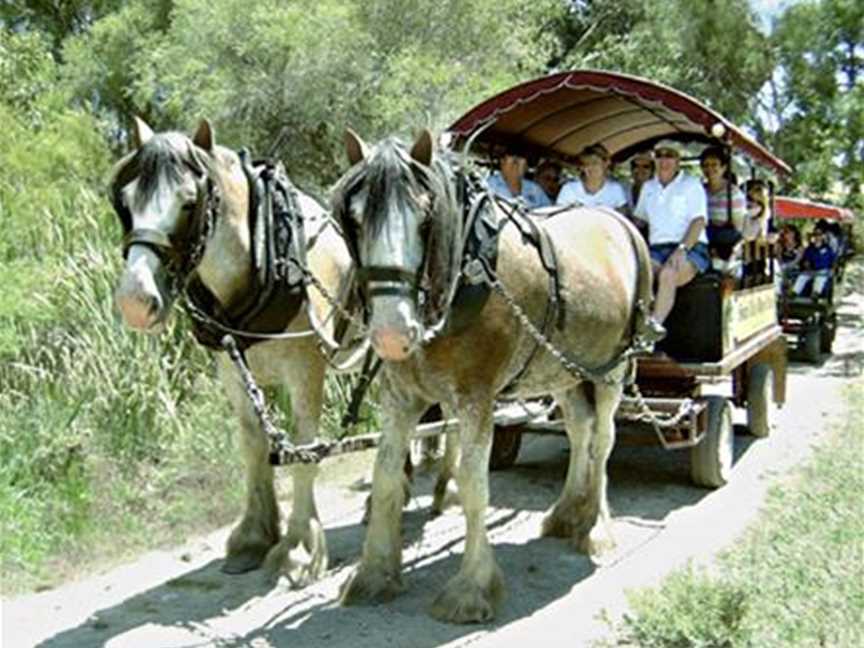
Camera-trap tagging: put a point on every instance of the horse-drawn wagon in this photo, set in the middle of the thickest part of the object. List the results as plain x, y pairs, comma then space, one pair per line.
808, 311
724, 346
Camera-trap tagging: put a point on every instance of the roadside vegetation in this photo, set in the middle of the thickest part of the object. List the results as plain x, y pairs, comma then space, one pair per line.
794, 580
110, 441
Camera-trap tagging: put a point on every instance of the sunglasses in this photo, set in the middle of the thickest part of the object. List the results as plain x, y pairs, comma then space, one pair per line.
642, 165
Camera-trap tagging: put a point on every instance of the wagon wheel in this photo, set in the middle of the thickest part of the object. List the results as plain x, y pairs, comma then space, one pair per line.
506, 441
711, 460
760, 399
829, 329
812, 344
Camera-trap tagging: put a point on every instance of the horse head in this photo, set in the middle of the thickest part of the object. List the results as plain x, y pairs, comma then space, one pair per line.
167, 195
399, 215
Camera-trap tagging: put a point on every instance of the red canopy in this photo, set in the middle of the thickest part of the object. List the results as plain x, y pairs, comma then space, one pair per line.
787, 207
563, 113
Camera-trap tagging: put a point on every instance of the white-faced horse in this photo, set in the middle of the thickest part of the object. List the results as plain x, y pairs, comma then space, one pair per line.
185, 208
582, 279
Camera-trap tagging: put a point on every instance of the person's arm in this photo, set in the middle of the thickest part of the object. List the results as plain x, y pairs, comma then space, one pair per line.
694, 231
565, 195
697, 206
640, 213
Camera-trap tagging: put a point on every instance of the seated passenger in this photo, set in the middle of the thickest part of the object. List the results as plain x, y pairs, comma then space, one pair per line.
790, 247
726, 204
831, 239
641, 171
816, 264
548, 176
510, 181
675, 206
758, 222
595, 188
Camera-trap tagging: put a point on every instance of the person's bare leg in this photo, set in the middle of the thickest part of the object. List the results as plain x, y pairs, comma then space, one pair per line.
668, 283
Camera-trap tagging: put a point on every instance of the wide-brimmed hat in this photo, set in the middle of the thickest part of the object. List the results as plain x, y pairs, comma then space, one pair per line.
669, 145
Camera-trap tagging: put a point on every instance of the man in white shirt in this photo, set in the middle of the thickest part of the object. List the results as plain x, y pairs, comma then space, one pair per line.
675, 207
595, 188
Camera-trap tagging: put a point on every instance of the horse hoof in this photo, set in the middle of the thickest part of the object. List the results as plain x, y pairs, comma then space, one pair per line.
301, 557
370, 586
556, 525
595, 544
464, 601
244, 561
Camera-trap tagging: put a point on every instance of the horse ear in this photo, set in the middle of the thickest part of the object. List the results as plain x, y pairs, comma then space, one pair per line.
204, 136
355, 147
422, 149
141, 132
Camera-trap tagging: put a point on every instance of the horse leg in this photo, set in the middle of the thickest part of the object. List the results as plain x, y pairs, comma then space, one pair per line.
599, 536
476, 592
378, 577
581, 512
258, 530
444, 494
301, 556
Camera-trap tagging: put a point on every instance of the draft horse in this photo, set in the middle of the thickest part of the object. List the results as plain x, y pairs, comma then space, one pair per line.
184, 205
407, 215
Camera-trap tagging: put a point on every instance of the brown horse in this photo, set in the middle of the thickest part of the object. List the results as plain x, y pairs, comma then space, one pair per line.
185, 208
407, 215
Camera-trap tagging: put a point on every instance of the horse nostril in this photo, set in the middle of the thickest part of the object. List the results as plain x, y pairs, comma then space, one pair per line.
153, 303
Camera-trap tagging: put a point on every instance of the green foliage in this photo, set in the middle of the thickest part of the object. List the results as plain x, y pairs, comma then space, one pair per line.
819, 98
710, 51
690, 610
289, 77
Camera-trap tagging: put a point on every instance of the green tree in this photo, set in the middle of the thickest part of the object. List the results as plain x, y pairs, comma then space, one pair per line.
56, 19
818, 97
290, 76
713, 51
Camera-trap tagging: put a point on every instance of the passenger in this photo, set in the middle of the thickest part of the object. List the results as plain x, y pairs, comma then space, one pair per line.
675, 207
830, 238
548, 176
791, 249
758, 222
641, 170
726, 204
816, 264
510, 181
595, 188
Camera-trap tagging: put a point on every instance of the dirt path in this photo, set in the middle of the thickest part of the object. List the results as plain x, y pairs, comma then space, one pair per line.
179, 598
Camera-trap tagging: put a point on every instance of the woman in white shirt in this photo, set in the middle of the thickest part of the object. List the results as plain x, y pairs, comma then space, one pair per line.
595, 188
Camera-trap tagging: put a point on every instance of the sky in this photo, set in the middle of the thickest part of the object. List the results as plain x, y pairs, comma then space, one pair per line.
769, 9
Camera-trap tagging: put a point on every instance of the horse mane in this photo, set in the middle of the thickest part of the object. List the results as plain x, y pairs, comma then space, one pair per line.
162, 158
395, 179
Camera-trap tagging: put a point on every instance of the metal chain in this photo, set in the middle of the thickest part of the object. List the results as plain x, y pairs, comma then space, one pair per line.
280, 446
574, 368
310, 278
578, 371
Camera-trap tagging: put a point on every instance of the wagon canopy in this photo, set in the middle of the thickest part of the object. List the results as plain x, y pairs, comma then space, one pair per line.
789, 208
559, 115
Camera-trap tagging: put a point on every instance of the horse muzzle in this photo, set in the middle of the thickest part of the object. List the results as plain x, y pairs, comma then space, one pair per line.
138, 297
395, 331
